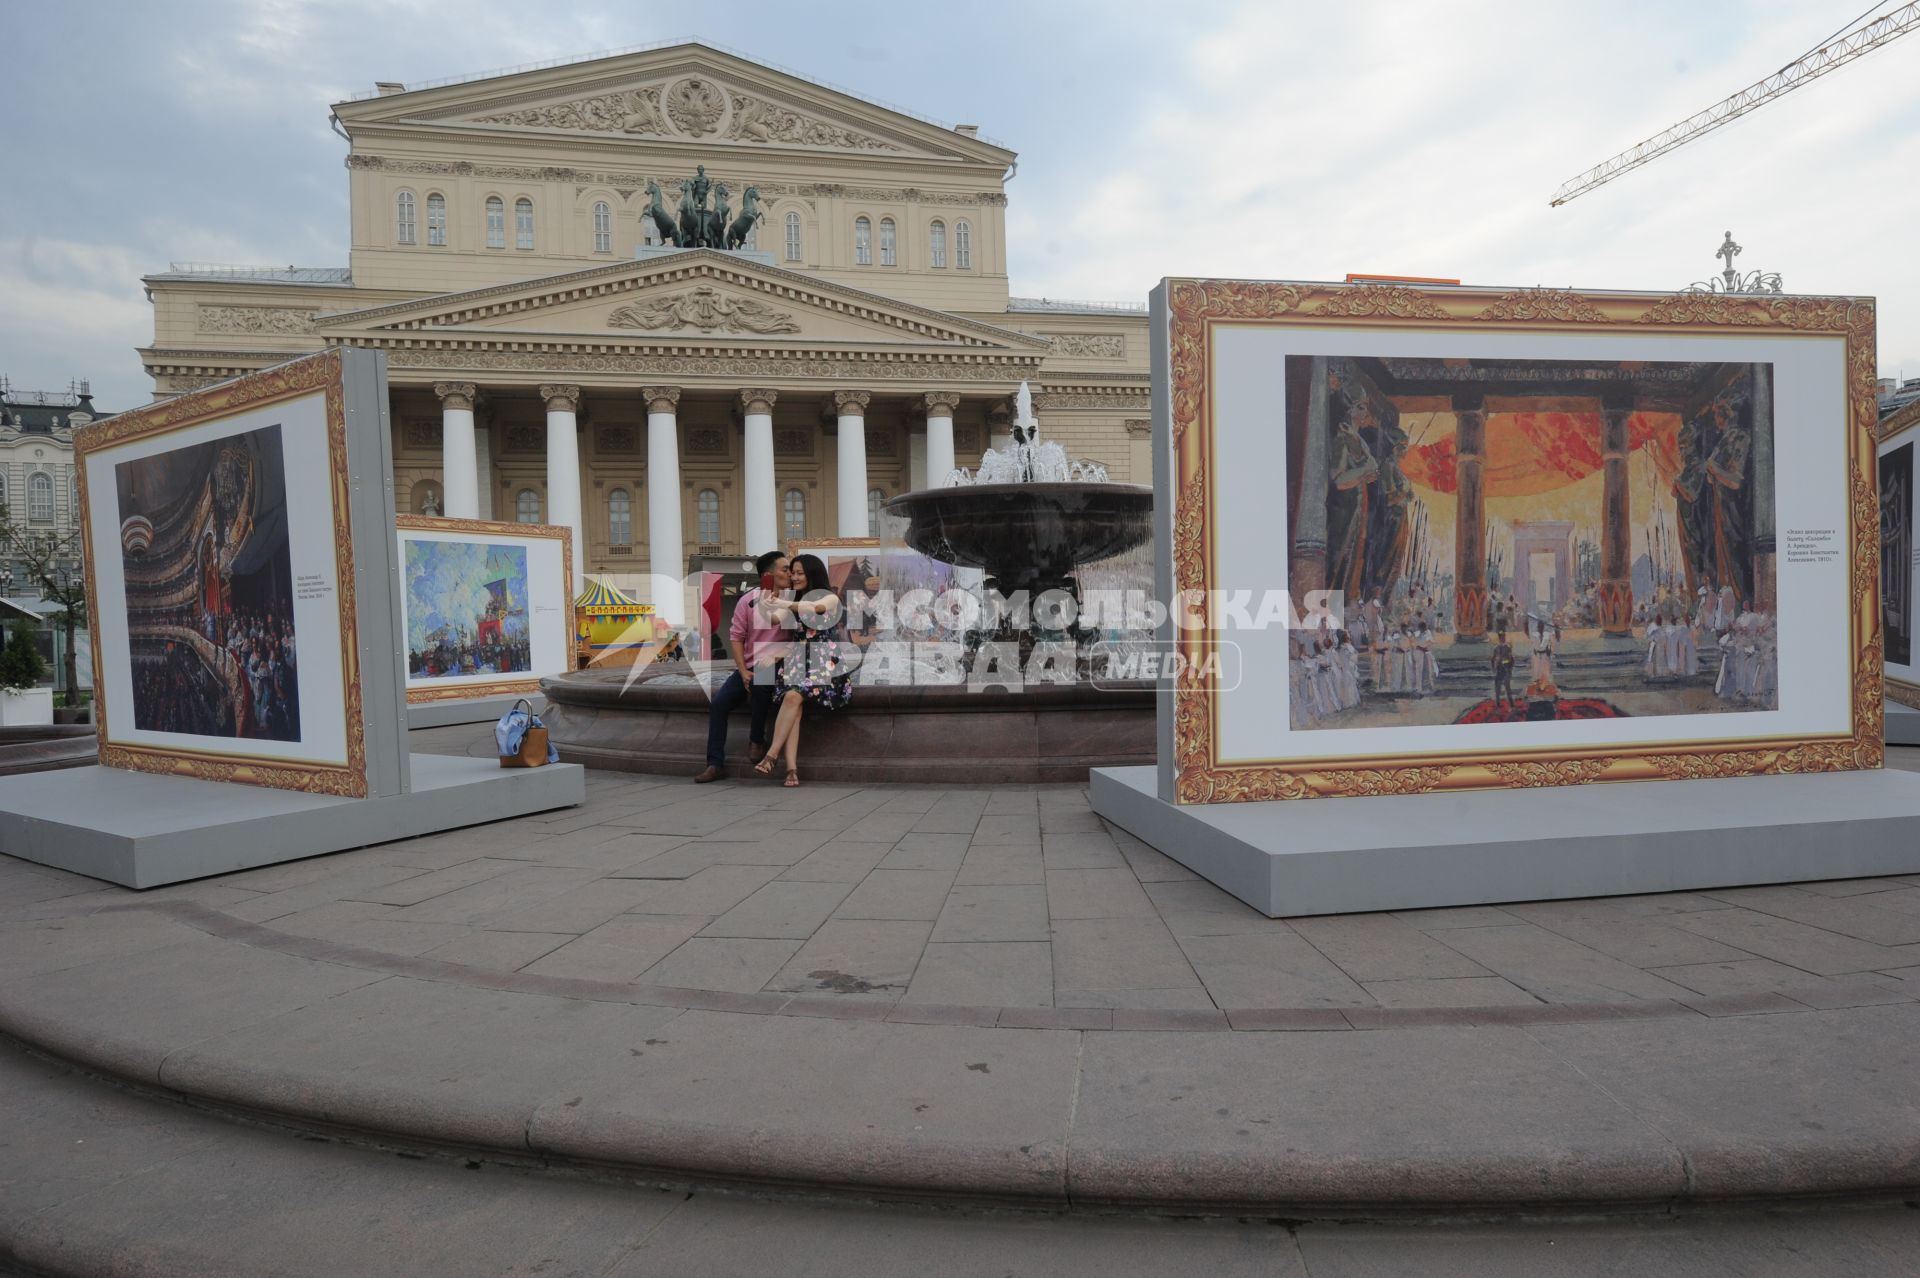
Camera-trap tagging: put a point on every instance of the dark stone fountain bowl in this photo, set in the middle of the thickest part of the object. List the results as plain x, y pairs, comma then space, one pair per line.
944, 735
1029, 536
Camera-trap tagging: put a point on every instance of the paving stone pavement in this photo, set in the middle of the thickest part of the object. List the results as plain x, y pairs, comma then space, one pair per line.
1013, 899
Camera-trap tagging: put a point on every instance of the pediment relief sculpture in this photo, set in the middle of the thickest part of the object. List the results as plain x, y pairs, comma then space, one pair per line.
627, 111
758, 120
691, 107
706, 309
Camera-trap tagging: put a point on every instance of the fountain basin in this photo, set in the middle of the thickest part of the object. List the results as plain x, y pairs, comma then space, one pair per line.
944, 734
1030, 535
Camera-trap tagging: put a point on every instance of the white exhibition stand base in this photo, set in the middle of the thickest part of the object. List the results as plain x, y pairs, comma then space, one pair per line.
447, 714
1339, 856
141, 830
1902, 724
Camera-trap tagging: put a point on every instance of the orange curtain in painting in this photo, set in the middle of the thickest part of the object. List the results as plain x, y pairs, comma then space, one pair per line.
1538, 452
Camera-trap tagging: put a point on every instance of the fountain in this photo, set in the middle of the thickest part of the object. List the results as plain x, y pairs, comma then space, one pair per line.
1028, 519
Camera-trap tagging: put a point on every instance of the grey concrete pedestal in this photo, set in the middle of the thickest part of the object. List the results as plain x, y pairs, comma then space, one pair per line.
141, 830
1337, 856
1902, 724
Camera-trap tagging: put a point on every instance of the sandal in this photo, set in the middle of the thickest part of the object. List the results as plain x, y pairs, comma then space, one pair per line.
793, 779
765, 767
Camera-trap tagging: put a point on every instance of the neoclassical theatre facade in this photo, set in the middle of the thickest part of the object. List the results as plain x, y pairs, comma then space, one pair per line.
687, 304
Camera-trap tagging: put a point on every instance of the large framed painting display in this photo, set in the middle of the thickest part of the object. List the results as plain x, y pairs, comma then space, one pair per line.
485, 607
1899, 553
1569, 537
220, 583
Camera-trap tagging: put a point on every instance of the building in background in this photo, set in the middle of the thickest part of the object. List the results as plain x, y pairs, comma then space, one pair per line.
688, 304
37, 484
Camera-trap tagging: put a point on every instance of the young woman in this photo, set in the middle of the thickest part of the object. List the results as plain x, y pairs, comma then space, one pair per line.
816, 676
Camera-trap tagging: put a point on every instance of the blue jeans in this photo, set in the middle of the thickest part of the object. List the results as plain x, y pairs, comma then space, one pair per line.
726, 699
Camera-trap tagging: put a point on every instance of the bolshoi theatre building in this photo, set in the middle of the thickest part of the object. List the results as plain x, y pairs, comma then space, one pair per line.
691, 306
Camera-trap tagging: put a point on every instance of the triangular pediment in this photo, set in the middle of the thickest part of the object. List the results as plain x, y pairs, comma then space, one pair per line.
698, 294
687, 94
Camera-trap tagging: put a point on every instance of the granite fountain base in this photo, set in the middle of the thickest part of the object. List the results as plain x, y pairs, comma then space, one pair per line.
944, 734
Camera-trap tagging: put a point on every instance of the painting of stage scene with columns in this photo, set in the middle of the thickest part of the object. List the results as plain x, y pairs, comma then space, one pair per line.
1519, 540
209, 589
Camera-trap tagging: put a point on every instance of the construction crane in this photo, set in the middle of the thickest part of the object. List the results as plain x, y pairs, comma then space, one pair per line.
1857, 40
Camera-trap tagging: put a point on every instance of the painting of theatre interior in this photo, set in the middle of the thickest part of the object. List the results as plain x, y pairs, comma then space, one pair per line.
1896, 553
466, 609
1519, 540
209, 589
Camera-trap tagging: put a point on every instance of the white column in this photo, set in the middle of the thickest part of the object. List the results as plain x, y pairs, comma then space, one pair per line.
483, 468
665, 560
458, 479
563, 471
851, 407
940, 461
763, 515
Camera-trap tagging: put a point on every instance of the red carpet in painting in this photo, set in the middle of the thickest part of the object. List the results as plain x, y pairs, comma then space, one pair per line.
1565, 708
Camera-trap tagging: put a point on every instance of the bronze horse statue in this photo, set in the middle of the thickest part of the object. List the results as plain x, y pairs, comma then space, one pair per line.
714, 232
692, 217
749, 214
657, 210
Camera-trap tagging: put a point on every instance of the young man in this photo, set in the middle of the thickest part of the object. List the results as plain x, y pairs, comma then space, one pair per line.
754, 640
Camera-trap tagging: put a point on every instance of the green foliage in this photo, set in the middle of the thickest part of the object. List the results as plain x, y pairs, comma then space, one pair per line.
21, 665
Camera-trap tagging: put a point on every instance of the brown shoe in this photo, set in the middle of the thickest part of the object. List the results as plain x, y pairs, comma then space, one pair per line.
710, 774
755, 752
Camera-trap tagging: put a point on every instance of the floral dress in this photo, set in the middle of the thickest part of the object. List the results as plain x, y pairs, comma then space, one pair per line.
818, 667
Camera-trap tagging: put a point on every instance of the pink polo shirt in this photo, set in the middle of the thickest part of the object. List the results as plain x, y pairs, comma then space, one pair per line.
751, 632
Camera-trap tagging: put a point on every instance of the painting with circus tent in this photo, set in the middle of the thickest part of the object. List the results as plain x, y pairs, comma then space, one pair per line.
466, 609
1517, 540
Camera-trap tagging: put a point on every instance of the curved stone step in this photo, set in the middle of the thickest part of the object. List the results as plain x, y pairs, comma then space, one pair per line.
1456, 1109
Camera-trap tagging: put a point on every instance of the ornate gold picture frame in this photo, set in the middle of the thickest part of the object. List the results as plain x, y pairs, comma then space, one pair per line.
1197, 311
507, 532
320, 374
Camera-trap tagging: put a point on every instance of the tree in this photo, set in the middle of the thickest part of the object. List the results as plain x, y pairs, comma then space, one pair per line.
20, 663
52, 563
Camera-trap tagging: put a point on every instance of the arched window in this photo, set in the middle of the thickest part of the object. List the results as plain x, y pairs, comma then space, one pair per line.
793, 237
886, 241
963, 245
874, 498
403, 218
3, 490
862, 242
496, 222
937, 244
436, 219
706, 510
523, 224
602, 228
527, 506
793, 514
620, 517
649, 231
40, 495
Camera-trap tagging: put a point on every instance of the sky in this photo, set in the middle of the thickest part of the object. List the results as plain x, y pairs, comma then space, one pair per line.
1267, 140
